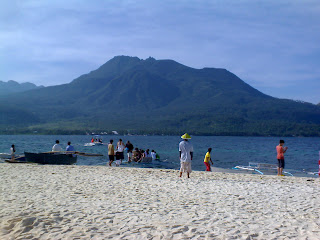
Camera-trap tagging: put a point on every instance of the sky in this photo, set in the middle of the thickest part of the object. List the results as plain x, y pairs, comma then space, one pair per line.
273, 45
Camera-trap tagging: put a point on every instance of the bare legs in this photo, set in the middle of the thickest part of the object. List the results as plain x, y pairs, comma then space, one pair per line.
188, 174
280, 170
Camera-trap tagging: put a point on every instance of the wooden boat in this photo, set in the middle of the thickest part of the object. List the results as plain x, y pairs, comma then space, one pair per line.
19, 159
51, 158
146, 160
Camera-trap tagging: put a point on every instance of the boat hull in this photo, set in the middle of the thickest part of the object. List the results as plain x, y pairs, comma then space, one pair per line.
50, 158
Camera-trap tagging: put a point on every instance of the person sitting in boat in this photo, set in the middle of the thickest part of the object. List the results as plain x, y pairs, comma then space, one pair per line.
57, 148
153, 155
70, 149
157, 156
147, 153
136, 155
141, 155
92, 140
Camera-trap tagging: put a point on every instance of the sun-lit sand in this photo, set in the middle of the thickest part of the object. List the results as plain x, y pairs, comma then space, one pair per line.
99, 202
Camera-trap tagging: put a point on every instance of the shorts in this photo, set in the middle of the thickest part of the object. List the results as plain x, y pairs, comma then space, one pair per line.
111, 157
280, 163
185, 167
119, 155
129, 154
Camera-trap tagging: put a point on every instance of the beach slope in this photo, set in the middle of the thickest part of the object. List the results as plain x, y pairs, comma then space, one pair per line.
99, 202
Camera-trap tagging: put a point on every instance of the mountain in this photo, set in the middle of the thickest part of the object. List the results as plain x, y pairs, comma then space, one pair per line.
15, 87
129, 94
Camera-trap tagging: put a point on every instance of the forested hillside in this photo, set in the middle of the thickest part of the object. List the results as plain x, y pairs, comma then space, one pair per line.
161, 97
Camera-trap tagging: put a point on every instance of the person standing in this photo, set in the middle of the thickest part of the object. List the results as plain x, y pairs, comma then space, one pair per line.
13, 151
129, 148
120, 149
57, 147
280, 156
207, 158
186, 155
111, 152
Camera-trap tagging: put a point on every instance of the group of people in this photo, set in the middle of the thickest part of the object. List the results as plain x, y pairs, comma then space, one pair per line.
58, 149
138, 155
186, 156
134, 154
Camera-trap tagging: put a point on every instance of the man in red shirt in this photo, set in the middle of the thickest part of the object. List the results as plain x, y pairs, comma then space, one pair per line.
280, 156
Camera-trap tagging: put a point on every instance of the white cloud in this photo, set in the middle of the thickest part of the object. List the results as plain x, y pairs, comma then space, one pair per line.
267, 43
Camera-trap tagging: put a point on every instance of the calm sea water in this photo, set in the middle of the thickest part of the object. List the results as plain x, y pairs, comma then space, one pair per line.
302, 154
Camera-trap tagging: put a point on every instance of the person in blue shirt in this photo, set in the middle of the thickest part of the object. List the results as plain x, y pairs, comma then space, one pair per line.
70, 148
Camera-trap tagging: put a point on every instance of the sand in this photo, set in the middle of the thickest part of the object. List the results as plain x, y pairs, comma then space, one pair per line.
99, 202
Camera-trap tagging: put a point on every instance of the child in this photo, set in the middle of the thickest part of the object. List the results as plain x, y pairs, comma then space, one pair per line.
280, 156
207, 158
118, 158
13, 151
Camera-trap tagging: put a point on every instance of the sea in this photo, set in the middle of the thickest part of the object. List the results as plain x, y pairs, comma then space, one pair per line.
302, 156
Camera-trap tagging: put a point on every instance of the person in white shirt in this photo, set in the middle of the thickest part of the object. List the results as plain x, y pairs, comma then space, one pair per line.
147, 153
12, 150
153, 155
57, 147
119, 151
186, 155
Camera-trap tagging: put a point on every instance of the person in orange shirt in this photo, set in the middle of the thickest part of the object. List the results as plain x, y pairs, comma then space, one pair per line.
280, 156
207, 158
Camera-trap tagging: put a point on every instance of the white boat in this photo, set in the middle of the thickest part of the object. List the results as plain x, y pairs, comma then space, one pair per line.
96, 141
261, 168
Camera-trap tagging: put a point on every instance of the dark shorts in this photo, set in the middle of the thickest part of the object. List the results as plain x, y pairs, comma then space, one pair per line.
111, 157
119, 155
280, 163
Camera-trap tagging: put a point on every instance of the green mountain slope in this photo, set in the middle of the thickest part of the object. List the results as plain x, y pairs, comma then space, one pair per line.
163, 96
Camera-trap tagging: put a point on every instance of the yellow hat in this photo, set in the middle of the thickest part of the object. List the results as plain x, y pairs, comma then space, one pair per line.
186, 136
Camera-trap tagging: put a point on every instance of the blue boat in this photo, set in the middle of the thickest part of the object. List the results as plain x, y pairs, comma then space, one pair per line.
50, 158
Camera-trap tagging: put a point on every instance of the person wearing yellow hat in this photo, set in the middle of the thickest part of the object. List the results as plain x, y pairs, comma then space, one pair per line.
186, 155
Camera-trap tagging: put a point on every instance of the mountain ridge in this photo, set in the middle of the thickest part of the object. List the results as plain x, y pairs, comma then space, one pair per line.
165, 97
12, 86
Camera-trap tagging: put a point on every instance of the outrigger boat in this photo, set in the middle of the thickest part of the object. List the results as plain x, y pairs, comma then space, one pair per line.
260, 168
51, 158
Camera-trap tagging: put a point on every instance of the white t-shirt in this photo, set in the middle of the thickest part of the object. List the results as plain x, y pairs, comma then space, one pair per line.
11, 150
185, 148
153, 155
120, 147
57, 148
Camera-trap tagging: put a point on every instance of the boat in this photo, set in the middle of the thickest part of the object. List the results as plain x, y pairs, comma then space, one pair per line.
19, 159
97, 141
260, 168
146, 160
5, 155
51, 158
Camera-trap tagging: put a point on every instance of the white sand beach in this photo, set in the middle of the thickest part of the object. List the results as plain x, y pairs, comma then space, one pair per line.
99, 202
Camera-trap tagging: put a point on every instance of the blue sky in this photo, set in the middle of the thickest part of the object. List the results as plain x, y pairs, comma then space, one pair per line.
273, 45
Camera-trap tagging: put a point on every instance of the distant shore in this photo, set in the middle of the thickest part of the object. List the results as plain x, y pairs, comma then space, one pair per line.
99, 202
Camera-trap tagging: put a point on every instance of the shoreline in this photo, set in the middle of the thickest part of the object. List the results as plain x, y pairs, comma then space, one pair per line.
99, 202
